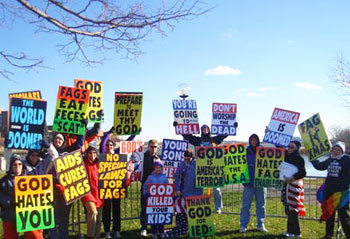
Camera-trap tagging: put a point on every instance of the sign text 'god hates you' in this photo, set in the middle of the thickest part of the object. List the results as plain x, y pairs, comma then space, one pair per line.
185, 115
26, 123
34, 203
281, 127
127, 113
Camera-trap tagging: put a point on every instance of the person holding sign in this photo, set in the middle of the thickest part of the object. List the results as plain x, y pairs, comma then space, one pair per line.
111, 205
249, 191
156, 177
7, 201
335, 194
92, 203
293, 191
148, 159
185, 181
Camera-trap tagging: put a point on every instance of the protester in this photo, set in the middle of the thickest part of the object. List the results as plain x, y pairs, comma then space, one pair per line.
335, 193
293, 190
92, 203
148, 159
111, 205
250, 191
156, 177
185, 186
7, 201
207, 140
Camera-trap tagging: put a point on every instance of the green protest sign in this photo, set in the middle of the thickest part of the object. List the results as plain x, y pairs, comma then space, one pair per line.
314, 137
200, 216
266, 167
34, 203
209, 167
236, 166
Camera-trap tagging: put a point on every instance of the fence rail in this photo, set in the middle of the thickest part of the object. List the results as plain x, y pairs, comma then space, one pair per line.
232, 203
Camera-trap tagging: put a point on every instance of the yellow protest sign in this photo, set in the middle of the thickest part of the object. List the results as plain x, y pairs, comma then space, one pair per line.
314, 137
72, 176
34, 203
127, 113
266, 167
93, 112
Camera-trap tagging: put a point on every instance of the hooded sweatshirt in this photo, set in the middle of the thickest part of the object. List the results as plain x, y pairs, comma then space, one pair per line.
204, 139
251, 157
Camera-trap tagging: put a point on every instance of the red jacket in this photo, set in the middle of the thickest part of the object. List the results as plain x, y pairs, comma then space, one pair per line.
92, 172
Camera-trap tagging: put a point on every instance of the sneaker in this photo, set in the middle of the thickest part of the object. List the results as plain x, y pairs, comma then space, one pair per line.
218, 211
243, 230
117, 235
155, 236
143, 233
108, 235
162, 235
262, 229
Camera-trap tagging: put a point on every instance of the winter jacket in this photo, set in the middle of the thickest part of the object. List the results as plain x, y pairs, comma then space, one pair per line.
251, 158
92, 172
295, 159
338, 176
185, 179
7, 196
154, 178
41, 167
204, 139
147, 169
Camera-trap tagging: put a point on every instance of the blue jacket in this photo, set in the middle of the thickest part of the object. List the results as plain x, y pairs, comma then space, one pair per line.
185, 179
153, 178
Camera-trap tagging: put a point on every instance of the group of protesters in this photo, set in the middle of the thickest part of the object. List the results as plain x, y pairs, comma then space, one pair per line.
97, 210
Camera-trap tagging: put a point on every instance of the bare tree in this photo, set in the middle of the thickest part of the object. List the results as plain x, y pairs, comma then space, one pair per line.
341, 77
340, 134
93, 28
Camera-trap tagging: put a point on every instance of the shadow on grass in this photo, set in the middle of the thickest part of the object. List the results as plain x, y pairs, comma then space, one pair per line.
251, 234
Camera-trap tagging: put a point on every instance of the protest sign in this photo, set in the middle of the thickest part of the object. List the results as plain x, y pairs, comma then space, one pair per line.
34, 203
160, 204
72, 176
224, 119
129, 147
236, 166
71, 107
94, 110
26, 123
112, 174
34, 95
185, 114
314, 137
136, 165
267, 165
127, 113
172, 154
210, 167
200, 216
281, 127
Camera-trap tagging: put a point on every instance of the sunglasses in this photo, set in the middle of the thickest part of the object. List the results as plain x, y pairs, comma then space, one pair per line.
154, 147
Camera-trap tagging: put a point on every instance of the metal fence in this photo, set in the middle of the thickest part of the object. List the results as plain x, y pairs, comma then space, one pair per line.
232, 203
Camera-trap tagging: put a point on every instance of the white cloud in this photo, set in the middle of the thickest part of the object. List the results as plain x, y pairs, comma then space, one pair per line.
254, 94
240, 92
222, 71
307, 85
264, 89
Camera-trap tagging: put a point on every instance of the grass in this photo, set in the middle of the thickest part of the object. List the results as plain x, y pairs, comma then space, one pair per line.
227, 223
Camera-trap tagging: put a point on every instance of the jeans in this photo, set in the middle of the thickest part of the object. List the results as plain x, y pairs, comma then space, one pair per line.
217, 198
61, 217
260, 199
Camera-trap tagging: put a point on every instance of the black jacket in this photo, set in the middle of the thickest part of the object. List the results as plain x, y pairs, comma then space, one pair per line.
147, 165
295, 159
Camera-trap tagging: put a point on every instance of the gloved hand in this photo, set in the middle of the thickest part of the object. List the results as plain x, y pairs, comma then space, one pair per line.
175, 123
84, 122
111, 131
60, 187
235, 124
44, 143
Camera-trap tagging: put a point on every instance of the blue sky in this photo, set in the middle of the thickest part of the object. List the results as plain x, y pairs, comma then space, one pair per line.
257, 54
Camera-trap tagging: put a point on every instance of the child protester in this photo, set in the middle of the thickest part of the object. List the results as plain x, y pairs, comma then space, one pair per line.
156, 177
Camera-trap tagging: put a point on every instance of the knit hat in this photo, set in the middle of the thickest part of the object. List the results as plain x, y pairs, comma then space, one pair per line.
90, 148
341, 145
297, 143
188, 153
59, 136
157, 163
15, 157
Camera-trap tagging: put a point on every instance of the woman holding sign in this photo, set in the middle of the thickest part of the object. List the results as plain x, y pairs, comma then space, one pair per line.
293, 191
92, 203
7, 201
335, 193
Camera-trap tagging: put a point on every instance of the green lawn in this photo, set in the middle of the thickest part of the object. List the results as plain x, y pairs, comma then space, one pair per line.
226, 225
